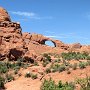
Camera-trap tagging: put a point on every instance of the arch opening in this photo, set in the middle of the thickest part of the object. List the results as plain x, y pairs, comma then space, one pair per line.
50, 43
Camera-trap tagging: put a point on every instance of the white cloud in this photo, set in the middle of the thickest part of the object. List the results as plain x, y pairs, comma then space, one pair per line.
28, 14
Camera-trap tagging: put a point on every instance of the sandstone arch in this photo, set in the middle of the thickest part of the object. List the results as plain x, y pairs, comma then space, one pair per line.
44, 42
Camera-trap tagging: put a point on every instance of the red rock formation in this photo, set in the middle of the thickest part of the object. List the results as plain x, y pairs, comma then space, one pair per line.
4, 15
15, 44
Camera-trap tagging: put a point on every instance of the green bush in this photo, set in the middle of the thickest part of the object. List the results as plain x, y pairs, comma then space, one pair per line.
44, 64
75, 55
3, 69
58, 60
9, 78
6, 67
46, 57
82, 65
36, 63
62, 68
2, 80
50, 85
88, 61
55, 67
48, 70
88, 58
34, 76
84, 83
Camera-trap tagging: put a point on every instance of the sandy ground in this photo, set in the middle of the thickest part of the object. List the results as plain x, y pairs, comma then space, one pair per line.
23, 83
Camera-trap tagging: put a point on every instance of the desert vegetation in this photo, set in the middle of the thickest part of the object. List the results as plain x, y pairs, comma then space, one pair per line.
62, 63
84, 84
75, 56
8, 70
51, 85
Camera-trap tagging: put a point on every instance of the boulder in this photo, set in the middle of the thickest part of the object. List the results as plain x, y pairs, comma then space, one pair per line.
76, 45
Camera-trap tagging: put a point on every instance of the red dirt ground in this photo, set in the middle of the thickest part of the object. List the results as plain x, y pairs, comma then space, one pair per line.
23, 83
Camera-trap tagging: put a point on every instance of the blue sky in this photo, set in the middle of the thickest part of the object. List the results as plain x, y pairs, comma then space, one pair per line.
66, 20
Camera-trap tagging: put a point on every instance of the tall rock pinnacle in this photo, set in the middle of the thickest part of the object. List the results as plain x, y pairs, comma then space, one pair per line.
4, 16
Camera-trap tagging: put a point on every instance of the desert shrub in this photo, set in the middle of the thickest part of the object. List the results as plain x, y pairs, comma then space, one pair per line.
68, 86
6, 66
88, 58
55, 67
48, 70
3, 69
82, 65
36, 63
50, 85
34, 76
84, 83
46, 57
56, 55
28, 75
44, 64
75, 55
2, 80
62, 68
88, 61
16, 67
20, 62
9, 77
68, 56
86, 64
74, 66
57, 60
